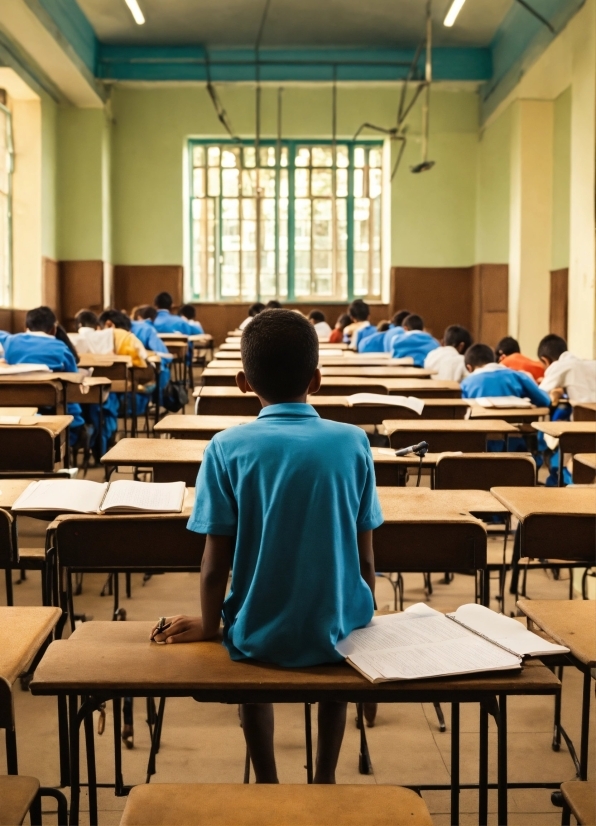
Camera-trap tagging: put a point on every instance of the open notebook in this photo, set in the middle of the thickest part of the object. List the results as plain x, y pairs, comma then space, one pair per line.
502, 401
121, 496
421, 642
411, 402
20, 369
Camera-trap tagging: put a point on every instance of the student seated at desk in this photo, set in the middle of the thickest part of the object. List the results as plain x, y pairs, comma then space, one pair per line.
319, 322
253, 311
396, 329
39, 345
143, 328
360, 327
448, 360
89, 338
289, 503
565, 373
508, 353
337, 334
487, 378
273, 304
165, 321
414, 342
188, 312
373, 343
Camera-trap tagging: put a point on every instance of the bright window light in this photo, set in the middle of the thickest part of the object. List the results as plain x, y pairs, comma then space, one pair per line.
451, 15
136, 12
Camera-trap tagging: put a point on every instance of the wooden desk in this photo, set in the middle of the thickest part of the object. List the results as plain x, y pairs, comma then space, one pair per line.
35, 389
574, 437
171, 460
92, 390
425, 504
584, 468
524, 502
354, 376
19, 454
514, 415
469, 436
18, 411
584, 411
198, 427
130, 665
10, 490
388, 371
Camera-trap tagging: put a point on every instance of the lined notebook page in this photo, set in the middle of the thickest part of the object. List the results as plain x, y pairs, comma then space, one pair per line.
65, 495
165, 497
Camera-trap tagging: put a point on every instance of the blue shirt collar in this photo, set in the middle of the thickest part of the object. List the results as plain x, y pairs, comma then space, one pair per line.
167, 312
288, 409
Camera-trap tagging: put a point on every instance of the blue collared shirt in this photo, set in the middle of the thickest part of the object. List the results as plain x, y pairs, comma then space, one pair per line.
165, 322
414, 343
294, 490
497, 380
147, 335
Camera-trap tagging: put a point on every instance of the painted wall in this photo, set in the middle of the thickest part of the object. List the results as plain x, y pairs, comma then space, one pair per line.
493, 192
561, 180
49, 114
433, 214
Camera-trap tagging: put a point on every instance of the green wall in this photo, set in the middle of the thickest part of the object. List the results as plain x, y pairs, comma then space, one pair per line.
49, 112
561, 180
492, 192
433, 214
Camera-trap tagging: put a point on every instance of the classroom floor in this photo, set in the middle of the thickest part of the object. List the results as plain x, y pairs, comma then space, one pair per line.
204, 743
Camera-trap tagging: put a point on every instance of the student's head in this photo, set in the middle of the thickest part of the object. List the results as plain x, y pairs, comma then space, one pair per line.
359, 310
398, 318
273, 305
86, 318
477, 356
280, 354
458, 337
115, 318
163, 301
255, 309
413, 322
146, 312
342, 321
551, 348
188, 312
316, 317
41, 320
383, 326
507, 347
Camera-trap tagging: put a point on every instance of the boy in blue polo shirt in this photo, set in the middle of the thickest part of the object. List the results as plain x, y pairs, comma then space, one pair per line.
414, 342
165, 322
289, 503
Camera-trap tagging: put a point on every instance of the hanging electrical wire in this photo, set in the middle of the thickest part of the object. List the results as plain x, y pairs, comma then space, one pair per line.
221, 113
537, 15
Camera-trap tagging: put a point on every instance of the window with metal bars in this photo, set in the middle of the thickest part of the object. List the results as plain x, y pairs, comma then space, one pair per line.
303, 224
6, 170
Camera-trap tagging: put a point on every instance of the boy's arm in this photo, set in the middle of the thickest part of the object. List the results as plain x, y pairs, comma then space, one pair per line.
367, 559
215, 567
535, 394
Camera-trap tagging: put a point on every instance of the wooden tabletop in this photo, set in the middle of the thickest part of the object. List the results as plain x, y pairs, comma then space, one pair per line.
45, 376
24, 629
175, 423
57, 424
118, 657
508, 414
10, 490
568, 622
580, 796
155, 451
450, 425
18, 411
558, 429
569, 501
587, 459
101, 360
424, 504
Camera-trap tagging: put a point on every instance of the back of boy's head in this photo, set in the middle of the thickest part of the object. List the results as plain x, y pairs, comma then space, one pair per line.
383, 326
280, 354
147, 312
188, 311
317, 316
255, 309
273, 305
359, 310
86, 318
413, 322
398, 318
507, 347
117, 318
552, 347
40, 320
478, 355
343, 320
456, 335
163, 301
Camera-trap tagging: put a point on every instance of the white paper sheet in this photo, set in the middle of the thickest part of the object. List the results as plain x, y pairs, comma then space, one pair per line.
10, 419
502, 401
20, 369
64, 495
165, 497
411, 402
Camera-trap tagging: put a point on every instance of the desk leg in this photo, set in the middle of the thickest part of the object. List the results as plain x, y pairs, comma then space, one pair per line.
75, 780
91, 772
12, 766
585, 738
502, 762
63, 741
454, 764
308, 738
483, 768
561, 459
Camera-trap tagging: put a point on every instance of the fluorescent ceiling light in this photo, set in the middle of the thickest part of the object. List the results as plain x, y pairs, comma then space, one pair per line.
138, 15
451, 15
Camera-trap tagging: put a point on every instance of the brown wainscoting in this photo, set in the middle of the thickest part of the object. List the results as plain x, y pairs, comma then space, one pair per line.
218, 318
559, 299
140, 284
6, 319
441, 295
12, 320
50, 284
490, 298
81, 287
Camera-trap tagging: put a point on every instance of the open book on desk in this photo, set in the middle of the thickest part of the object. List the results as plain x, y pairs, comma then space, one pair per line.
420, 643
411, 402
121, 496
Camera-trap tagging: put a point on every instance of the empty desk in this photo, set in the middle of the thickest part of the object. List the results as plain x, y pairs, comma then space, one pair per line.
469, 436
170, 460
574, 437
584, 468
198, 427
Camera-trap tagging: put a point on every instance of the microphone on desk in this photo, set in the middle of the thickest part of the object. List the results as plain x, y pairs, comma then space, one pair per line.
421, 449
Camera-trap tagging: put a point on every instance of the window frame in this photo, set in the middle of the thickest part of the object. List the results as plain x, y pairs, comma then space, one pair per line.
292, 144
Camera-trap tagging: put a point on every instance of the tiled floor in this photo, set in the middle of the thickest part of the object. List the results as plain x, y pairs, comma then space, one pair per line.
203, 743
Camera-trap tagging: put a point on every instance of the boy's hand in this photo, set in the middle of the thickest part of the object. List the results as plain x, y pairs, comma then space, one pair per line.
556, 394
180, 629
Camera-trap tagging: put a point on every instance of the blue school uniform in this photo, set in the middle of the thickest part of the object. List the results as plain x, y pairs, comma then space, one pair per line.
372, 344
165, 322
147, 335
390, 336
40, 348
362, 335
414, 343
497, 380
294, 490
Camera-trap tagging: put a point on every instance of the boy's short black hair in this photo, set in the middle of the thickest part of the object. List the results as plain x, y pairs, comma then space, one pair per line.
317, 316
343, 320
478, 355
255, 309
456, 335
280, 354
399, 317
148, 312
552, 347
40, 320
163, 301
188, 311
383, 326
118, 319
273, 305
507, 347
359, 310
413, 322
86, 318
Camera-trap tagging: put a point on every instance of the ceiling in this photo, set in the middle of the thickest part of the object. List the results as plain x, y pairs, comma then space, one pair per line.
293, 23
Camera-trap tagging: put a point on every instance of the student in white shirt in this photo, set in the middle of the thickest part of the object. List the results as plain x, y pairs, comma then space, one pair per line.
448, 360
566, 373
319, 322
253, 310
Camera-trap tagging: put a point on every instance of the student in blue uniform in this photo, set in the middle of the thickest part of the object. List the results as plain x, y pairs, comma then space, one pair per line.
289, 503
415, 342
165, 322
487, 378
188, 312
395, 330
39, 345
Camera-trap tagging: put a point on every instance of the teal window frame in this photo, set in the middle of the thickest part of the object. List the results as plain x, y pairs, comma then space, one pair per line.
291, 145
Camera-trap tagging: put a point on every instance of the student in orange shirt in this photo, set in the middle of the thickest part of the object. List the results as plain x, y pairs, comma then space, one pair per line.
509, 355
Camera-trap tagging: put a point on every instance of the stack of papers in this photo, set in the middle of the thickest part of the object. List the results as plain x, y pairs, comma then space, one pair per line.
82, 496
502, 401
411, 402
